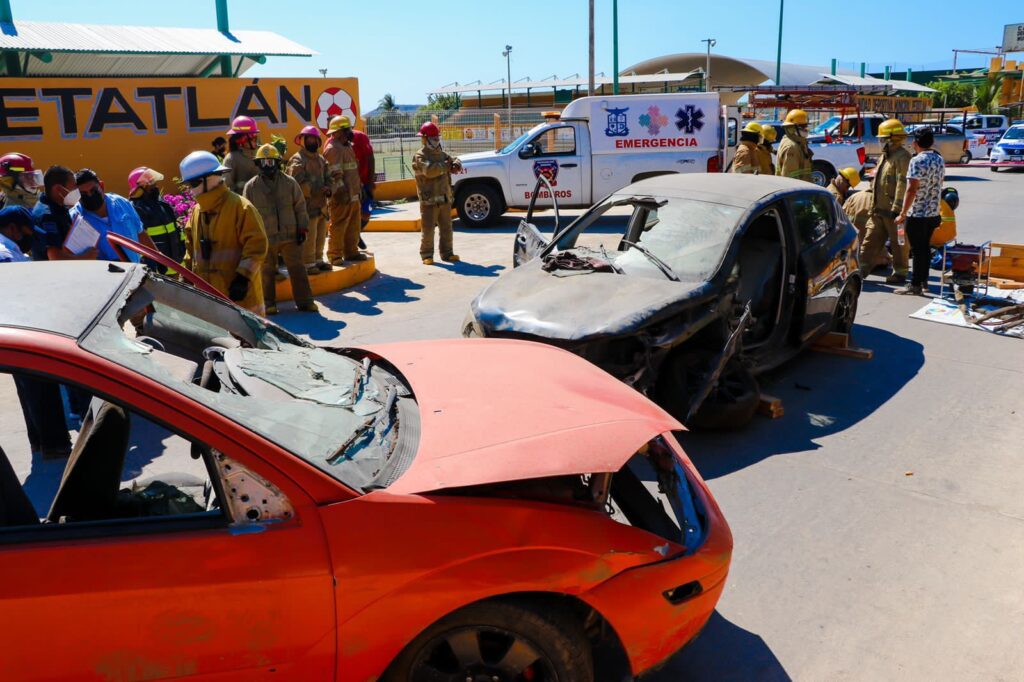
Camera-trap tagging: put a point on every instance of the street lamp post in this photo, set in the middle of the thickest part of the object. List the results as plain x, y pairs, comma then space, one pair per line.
778, 54
590, 56
323, 72
615, 47
707, 70
507, 54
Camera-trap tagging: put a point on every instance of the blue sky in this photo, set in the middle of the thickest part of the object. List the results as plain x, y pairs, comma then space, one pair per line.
408, 47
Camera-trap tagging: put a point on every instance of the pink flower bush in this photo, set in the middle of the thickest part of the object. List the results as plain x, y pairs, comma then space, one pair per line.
182, 204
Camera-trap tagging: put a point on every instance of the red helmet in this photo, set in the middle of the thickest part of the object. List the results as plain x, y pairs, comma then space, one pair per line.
243, 125
15, 163
308, 130
429, 129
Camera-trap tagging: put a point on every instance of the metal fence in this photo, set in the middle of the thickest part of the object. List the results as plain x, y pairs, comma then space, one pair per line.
394, 139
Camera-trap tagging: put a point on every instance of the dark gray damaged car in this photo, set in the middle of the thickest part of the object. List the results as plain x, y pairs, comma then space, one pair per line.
715, 279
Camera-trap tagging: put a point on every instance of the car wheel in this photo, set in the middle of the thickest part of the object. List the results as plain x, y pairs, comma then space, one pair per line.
730, 405
994, 169
496, 641
478, 205
846, 310
822, 173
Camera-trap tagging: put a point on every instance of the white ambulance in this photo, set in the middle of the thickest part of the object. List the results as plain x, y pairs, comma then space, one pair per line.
598, 146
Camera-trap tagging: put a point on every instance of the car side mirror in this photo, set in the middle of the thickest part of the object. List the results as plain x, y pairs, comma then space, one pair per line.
527, 151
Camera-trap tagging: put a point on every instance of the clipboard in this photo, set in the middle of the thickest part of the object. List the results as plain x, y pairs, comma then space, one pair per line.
81, 237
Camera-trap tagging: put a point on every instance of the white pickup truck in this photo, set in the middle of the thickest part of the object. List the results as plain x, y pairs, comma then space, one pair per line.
598, 146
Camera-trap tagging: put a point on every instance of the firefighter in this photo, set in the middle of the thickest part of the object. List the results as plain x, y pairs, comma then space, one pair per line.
19, 180
794, 156
765, 150
857, 207
433, 168
243, 138
746, 159
889, 186
225, 243
309, 168
343, 235
842, 184
157, 216
279, 200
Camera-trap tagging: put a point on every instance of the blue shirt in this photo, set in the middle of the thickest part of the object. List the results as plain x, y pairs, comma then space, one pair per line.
121, 219
52, 224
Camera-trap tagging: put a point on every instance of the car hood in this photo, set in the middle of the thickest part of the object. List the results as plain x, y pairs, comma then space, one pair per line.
477, 156
576, 306
496, 410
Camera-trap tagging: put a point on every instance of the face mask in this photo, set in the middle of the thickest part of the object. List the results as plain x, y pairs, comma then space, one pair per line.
311, 147
151, 193
72, 197
268, 170
434, 142
93, 200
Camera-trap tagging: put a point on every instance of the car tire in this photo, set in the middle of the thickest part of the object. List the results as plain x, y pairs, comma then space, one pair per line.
484, 633
478, 205
846, 309
731, 405
822, 173
966, 158
994, 169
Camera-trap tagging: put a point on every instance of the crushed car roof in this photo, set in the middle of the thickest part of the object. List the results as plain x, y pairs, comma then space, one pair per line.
732, 189
62, 297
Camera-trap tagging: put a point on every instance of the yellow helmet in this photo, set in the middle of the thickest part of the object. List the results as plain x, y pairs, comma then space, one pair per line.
268, 151
338, 123
851, 175
892, 127
769, 133
752, 127
796, 117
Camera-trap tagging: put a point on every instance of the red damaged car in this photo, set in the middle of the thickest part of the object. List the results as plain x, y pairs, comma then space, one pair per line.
240, 504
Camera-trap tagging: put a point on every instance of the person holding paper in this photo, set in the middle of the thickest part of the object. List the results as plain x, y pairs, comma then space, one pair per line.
107, 212
52, 216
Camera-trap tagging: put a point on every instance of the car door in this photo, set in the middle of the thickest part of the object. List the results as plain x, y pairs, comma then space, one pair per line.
555, 153
823, 244
240, 591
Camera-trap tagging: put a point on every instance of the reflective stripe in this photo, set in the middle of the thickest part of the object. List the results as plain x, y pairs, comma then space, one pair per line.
948, 219
158, 230
351, 165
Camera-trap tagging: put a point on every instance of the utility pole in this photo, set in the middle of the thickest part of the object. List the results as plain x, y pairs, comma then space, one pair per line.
590, 82
778, 54
615, 47
508, 69
707, 70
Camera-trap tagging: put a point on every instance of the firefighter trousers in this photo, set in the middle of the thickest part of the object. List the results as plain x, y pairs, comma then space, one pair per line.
439, 216
343, 235
291, 253
872, 252
316, 238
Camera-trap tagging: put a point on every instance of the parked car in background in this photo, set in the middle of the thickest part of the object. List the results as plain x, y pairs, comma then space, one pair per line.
991, 126
829, 158
715, 279
950, 142
1010, 147
317, 513
977, 145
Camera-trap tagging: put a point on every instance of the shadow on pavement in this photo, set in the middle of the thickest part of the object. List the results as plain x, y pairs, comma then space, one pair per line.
964, 178
470, 269
822, 394
724, 652
316, 327
364, 299
42, 482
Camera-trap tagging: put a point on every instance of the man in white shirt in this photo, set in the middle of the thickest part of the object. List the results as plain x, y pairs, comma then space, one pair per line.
16, 234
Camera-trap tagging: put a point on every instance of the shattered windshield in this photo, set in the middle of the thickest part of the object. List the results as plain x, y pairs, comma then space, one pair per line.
688, 236
341, 414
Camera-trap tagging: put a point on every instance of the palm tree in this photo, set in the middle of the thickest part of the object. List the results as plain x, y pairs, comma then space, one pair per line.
986, 95
387, 103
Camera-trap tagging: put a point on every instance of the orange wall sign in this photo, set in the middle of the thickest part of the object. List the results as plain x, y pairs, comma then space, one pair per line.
113, 125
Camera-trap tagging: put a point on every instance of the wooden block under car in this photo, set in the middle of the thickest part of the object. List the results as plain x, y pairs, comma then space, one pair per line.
838, 343
770, 406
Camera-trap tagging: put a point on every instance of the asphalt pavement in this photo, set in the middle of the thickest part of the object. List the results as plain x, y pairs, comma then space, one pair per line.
878, 525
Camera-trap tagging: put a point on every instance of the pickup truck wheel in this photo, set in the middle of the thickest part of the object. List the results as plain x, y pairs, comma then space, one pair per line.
478, 206
966, 158
822, 173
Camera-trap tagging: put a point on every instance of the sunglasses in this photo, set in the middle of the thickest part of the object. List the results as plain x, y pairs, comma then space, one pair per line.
195, 183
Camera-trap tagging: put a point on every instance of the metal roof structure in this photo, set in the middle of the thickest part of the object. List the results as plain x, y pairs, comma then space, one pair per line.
872, 83
570, 82
63, 49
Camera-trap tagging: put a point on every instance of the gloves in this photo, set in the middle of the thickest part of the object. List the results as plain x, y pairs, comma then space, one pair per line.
300, 236
239, 288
